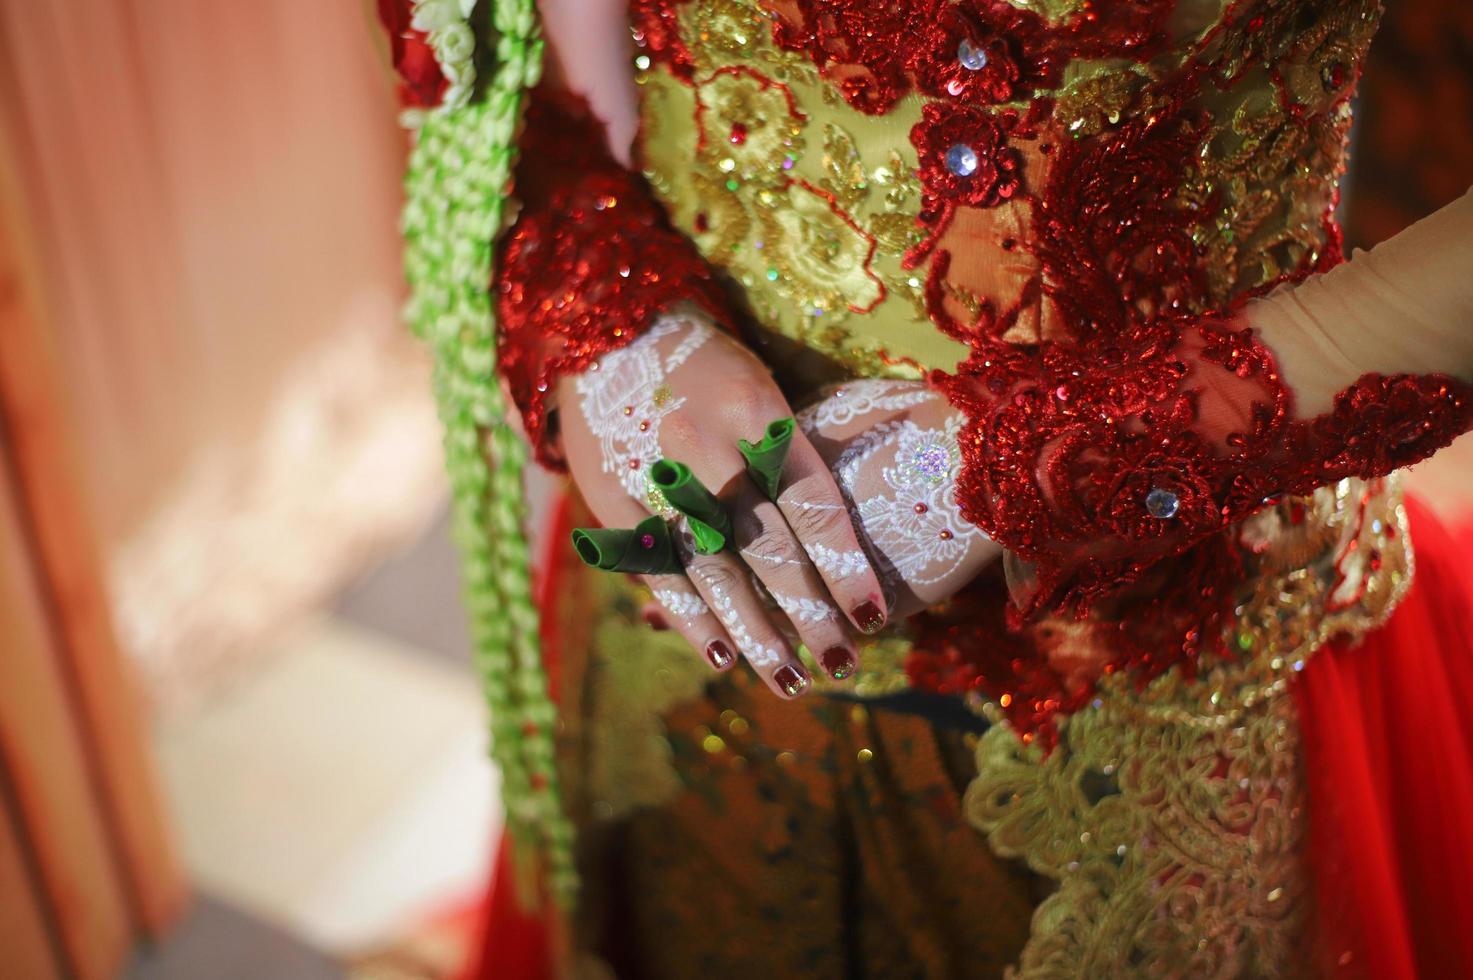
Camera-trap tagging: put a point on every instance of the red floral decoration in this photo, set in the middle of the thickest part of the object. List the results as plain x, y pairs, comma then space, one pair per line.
964, 59
421, 83
1112, 235
965, 161
656, 28
863, 45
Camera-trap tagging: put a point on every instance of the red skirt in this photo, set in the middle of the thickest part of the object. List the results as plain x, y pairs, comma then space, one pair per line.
1388, 757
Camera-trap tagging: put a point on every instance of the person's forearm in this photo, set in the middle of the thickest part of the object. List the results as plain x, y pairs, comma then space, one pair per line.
1405, 307
589, 53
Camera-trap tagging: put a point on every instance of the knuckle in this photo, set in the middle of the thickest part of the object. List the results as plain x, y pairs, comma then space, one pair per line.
819, 520
776, 544
748, 389
716, 575
679, 431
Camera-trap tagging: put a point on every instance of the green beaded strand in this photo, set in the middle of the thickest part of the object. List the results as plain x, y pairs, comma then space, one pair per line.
456, 186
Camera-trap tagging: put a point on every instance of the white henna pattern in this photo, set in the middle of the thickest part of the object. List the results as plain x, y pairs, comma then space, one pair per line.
687, 605
838, 564
757, 654
913, 521
804, 610
770, 559
625, 400
856, 398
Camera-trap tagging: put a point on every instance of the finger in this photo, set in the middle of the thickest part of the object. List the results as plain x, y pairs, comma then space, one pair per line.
819, 516
691, 617
771, 550
726, 588
686, 610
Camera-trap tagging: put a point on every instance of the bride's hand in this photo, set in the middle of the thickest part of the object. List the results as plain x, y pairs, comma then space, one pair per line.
687, 392
892, 446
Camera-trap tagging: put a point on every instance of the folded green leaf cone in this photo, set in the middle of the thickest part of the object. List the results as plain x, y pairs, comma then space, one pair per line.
647, 549
765, 459
708, 520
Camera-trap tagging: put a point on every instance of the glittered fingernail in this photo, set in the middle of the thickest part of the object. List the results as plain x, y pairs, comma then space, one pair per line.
869, 616
791, 680
720, 657
838, 661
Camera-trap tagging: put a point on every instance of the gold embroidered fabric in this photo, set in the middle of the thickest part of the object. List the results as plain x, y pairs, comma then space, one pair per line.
804, 201
811, 205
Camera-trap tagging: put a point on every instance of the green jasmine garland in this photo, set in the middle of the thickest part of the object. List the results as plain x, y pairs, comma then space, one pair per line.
456, 186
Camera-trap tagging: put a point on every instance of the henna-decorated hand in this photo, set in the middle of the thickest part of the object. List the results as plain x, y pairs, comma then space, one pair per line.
687, 392
892, 446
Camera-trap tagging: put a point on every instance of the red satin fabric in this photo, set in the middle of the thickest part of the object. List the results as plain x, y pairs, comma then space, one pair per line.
1388, 757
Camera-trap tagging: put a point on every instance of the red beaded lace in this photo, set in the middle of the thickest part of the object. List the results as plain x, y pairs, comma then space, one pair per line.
589, 263
1065, 446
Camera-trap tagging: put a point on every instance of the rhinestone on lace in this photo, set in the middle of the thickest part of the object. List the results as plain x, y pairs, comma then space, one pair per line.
970, 57
961, 160
1162, 503
932, 463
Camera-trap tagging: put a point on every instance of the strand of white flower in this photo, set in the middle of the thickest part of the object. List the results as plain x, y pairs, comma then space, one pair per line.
447, 28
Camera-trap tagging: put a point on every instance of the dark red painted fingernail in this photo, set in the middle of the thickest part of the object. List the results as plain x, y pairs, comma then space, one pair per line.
791, 679
655, 620
720, 657
869, 616
838, 661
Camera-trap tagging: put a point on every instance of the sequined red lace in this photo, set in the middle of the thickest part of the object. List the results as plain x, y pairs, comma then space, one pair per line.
977, 50
1096, 463
588, 264
1116, 480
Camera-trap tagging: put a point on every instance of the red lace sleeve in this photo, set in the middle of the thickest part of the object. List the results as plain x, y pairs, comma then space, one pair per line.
1096, 461
590, 261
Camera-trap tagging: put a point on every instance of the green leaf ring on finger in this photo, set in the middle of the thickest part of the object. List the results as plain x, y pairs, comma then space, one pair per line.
766, 457
709, 523
645, 549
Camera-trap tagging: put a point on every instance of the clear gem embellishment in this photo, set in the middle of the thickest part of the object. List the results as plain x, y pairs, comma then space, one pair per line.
961, 160
971, 57
1162, 504
932, 462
